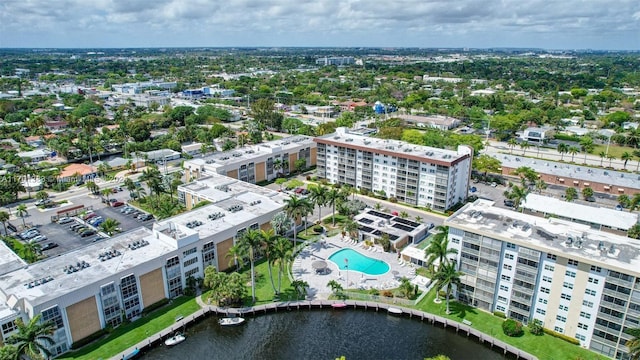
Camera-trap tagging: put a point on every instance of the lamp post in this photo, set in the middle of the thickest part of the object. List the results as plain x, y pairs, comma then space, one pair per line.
346, 270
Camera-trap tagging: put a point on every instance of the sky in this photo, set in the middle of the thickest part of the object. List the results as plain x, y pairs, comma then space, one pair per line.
547, 24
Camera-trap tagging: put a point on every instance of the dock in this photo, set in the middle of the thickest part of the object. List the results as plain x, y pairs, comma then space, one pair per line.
305, 305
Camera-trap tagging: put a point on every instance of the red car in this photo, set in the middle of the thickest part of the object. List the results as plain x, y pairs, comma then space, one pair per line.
92, 215
117, 204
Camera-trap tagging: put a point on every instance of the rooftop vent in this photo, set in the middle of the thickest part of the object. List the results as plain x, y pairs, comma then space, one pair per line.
107, 255
249, 152
39, 282
284, 143
215, 216
138, 244
80, 265
224, 158
237, 154
211, 161
612, 249
235, 208
255, 202
194, 223
348, 140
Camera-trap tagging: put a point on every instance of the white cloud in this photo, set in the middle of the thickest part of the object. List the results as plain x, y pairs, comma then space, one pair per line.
474, 23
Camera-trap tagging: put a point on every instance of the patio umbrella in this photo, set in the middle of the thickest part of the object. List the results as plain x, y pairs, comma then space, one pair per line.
319, 266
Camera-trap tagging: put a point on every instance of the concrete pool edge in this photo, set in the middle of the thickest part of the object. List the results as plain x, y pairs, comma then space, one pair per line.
361, 254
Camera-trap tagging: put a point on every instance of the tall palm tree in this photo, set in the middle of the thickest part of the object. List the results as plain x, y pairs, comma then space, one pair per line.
517, 194
611, 158
350, 227
636, 153
562, 149
268, 239
30, 251
512, 143
296, 208
21, 211
633, 344
109, 226
235, 256
318, 196
249, 243
524, 146
602, 155
626, 156
106, 193
332, 196
4, 217
283, 253
438, 249
573, 150
300, 287
32, 338
446, 277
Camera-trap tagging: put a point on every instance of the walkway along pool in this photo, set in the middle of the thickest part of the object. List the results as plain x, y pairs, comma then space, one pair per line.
349, 259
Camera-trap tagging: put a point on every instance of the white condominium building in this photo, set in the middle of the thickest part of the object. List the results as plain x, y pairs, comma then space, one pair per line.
576, 280
413, 174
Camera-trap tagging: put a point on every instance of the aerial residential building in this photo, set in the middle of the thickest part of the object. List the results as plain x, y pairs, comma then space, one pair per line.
576, 280
112, 281
255, 163
413, 174
433, 121
345, 60
570, 175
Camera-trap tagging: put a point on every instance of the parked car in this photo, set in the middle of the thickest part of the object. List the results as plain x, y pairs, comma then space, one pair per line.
125, 209
430, 226
43, 202
75, 226
590, 199
97, 222
473, 189
65, 220
38, 239
12, 227
90, 216
87, 233
145, 217
31, 235
619, 207
117, 204
81, 229
94, 220
509, 202
49, 246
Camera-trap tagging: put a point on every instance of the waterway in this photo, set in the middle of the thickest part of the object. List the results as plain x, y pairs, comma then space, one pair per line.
322, 334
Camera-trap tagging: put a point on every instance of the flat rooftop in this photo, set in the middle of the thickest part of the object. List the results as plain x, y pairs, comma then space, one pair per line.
248, 152
9, 261
592, 214
376, 223
342, 136
218, 188
570, 171
559, 237
53, 277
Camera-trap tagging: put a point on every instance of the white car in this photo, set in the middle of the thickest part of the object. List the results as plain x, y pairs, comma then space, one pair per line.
38, 239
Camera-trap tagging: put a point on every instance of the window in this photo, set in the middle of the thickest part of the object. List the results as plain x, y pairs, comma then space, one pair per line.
544, 290
500, 308
563, 307
551, 257
567, 285
507, 267
505, 288
590, 292
540, 311
8, 327
542, 301
558, 329
191, 261
593, 280
565, 296
506, 278
508, 256
511, 245
570, 273
573, 262
583, 326
585, 315
546, 278
502, 298
549, 267
586, 303
53, 315
191, 272
596, 268
561, 318
190, 251
455, 241
581, 337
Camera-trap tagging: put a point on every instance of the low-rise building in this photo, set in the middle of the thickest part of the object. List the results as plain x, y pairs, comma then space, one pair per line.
77, 172
536, 134
162, 155
433, 121
35, 156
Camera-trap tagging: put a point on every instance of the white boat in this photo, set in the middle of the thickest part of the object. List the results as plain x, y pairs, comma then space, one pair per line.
231, 321
175, 340
394, 311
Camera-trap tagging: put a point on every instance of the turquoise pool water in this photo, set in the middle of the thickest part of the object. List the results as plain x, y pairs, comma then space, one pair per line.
358, 262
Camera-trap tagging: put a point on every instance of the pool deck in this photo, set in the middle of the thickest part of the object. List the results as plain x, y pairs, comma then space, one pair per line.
318, 289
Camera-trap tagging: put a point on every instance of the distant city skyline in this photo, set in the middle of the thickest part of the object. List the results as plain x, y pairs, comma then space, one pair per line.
570, 24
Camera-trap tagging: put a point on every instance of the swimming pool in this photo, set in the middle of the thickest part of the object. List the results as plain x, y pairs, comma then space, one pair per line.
349, 259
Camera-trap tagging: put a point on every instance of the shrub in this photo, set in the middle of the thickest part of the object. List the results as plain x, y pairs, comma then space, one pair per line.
317, 229
564, 337
308, 177
393, 200
387, 293
374, 292
155, 306
499, 314
535, 327
89, 339
512, 328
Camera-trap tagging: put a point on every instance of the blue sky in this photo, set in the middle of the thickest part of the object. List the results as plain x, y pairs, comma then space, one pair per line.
549, 24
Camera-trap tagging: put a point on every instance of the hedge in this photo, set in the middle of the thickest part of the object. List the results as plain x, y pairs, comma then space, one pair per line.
499, 314
564, 337
89, 339
155, 306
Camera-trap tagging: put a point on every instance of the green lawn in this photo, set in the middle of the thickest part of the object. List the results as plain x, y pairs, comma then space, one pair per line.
545, 347
128, 335
614, 150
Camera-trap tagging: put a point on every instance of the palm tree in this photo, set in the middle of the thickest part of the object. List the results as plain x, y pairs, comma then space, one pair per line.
318, 196
350, 227
404, 214
517, 194
92, 186
512, 143
626, 156
332, 196
634, 343
602, 155
406, 288
562, 149
636, 153
30, 251
295, 208
283, 254
110, 226
438, 249
446, 277
335, 286
21, 211
249, 243
610, 158
4, 217
106, 193
268, 239
235, 256
573, 150
524, 146
586, 144
32, 339
300, 287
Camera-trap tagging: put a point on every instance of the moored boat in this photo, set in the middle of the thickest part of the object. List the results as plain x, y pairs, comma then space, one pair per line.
175, 340
231, 321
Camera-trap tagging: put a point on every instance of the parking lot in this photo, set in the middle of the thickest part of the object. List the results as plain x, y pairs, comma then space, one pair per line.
67, 239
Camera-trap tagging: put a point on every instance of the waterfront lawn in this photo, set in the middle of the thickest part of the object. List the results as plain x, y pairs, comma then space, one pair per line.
128, 335
264, 290
545, 347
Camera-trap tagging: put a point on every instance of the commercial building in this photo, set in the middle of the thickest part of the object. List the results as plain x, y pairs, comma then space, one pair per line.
344, 60
434, 121
255, 163
576, 280
578, 176
105, 283
413, 174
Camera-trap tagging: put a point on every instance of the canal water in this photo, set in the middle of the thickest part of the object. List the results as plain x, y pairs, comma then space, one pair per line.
322, 334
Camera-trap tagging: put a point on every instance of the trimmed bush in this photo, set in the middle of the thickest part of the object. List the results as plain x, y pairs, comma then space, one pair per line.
535, 327
512, 328
500, 314
564, 337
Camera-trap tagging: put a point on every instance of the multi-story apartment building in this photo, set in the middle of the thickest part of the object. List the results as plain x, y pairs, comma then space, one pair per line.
576, 280
413, 174
255, 163
87, 289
